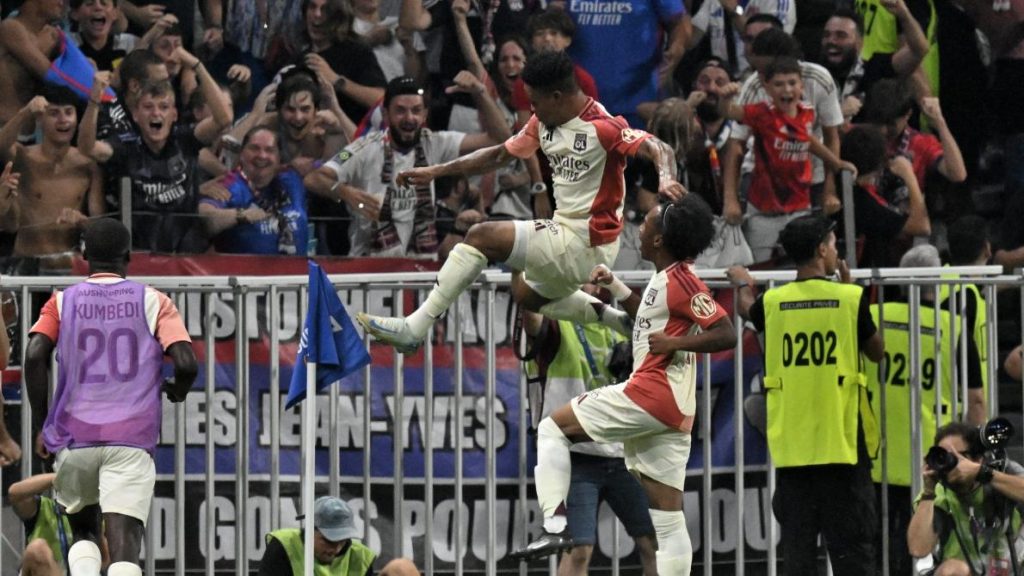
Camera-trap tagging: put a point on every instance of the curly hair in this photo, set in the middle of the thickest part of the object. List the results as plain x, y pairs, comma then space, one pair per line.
550, 72
687, 227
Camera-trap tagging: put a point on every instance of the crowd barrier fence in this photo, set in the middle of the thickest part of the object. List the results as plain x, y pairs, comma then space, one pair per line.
237, 318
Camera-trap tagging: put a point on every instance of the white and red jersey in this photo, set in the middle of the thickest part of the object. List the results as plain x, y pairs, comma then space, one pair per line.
587, 156
675, 302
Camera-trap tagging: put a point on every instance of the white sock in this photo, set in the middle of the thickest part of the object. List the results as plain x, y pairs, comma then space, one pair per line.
462, 267
84, 559
555, 524
585, 309
554, 469
124, 569
675, 551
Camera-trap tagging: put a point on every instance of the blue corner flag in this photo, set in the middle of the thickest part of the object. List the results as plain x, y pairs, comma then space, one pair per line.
329, 339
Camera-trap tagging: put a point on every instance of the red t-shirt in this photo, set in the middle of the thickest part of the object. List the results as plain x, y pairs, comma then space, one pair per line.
520, 101
923, 150
781, 182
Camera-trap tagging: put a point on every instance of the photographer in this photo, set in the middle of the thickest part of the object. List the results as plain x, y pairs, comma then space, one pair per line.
972, 511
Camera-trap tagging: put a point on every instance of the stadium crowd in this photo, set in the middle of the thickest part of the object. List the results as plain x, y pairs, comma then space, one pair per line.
284, 127
921, 92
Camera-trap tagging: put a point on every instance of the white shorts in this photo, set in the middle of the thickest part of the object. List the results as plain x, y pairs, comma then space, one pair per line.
119, 478
650, 447
554, 259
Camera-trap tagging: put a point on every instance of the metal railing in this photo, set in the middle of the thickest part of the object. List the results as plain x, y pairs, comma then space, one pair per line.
258, 308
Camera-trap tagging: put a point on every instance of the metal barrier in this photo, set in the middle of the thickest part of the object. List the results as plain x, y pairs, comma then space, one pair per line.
271, 310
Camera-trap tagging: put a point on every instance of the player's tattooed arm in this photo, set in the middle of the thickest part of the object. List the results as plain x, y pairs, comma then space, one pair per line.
483, 160
663, 157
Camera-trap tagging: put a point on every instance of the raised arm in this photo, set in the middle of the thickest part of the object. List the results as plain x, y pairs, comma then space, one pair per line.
258, 116
96, 203
220, 115
144, 16
459, 10
156, 31
727, 106
491, 119
345, 124
87, 144
9, 134
679, 34
664, 159
21, 44
367, 96
952, 163
918, 223
483, 160
413, 16
910, 55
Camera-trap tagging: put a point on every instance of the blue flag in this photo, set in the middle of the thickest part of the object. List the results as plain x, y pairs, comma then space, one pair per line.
73, 70
329, 339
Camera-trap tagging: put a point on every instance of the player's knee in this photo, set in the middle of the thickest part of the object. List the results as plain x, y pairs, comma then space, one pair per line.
495, 240
548, 430
124, 537
483, 236
38, 558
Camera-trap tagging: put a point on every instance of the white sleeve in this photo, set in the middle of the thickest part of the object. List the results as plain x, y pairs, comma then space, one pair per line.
334, 164
784, 10
444, 146
349, 170
826, 104
703, 16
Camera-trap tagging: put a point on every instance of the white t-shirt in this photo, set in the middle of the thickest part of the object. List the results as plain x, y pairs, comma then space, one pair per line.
363, 170
390, 56
709, 19
819, 92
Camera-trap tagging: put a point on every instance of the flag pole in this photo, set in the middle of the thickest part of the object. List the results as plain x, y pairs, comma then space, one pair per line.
309, 451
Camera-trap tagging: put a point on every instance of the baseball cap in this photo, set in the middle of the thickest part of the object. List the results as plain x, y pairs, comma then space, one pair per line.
333, 518
401, 86
801, 237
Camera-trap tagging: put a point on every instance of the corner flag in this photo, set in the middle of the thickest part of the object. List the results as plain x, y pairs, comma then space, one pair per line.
329, 340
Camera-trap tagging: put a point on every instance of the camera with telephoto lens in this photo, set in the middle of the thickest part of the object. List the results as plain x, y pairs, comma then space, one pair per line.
995, 435
941, 461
